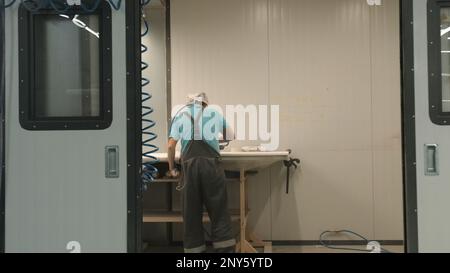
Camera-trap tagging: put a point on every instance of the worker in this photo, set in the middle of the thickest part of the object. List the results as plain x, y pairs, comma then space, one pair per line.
203, 178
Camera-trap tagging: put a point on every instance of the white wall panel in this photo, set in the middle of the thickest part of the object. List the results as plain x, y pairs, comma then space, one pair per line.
386, 121
220, 47
320, 74
333, 67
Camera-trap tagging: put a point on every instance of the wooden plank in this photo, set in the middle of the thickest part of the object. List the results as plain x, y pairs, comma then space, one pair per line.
174, 217
167, 180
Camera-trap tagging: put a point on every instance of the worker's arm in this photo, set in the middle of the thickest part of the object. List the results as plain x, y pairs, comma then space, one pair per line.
171, 148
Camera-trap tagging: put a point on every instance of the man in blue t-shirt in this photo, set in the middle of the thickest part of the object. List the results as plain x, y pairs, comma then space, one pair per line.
198, 127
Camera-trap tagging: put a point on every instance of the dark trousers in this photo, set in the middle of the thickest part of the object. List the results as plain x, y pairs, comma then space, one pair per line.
205, 185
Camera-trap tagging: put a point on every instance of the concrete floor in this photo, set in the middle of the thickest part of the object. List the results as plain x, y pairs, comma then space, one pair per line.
321, 249
285, 249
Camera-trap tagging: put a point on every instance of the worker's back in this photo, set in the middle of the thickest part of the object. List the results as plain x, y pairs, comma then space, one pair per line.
196, 124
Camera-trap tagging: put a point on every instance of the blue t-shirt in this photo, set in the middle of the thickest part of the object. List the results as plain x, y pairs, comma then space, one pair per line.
210, 120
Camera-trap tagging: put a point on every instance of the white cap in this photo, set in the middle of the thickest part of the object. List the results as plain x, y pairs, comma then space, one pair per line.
199, 97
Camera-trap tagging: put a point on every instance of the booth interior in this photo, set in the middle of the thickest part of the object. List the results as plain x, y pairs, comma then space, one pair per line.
332, 69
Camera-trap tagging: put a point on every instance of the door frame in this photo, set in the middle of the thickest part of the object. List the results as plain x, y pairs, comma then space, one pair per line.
134, 126
2, 127
409, 128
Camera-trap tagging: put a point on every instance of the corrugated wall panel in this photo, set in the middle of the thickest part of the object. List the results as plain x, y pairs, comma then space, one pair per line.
221, 48
386, 121
333, 67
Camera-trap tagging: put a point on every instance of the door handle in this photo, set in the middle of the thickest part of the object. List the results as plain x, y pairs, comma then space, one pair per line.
112, 161
431, 160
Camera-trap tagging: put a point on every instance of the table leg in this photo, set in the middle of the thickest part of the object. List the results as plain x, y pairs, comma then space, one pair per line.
256, 241
242, 211
244, 245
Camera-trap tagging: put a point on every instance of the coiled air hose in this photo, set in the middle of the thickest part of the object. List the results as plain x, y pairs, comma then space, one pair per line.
149, 171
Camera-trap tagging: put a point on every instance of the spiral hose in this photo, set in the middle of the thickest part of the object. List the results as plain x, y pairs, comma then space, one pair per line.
149, 171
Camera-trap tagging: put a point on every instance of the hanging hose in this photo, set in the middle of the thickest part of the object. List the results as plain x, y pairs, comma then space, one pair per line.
28, 4
149, 172
9, 4
54, 6
34, 5
90, 9
114, 5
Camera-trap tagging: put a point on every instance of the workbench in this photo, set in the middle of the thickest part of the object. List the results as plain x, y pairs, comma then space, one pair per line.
244, 162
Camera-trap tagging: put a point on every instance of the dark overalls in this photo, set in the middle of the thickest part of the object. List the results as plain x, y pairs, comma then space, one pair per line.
204, 185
